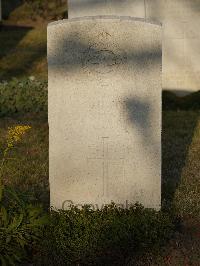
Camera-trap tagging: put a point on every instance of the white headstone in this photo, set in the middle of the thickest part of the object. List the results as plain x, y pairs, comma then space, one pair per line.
181, 42
80, 8
105, 111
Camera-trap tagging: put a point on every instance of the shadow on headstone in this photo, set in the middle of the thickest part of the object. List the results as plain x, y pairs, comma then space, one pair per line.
138, 113
109, 89
177, 136
139, 57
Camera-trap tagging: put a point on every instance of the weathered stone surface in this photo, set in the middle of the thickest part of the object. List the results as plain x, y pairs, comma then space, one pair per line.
80, 8
105, 111
181, 35
181, 42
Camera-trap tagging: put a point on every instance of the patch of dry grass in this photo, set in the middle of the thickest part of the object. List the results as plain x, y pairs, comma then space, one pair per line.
23, 52
180, 162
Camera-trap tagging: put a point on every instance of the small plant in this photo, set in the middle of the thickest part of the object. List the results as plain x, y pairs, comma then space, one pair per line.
14, 135
20, 223
101, 237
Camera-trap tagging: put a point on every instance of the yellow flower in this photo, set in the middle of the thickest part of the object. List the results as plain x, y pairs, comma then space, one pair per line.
15, 134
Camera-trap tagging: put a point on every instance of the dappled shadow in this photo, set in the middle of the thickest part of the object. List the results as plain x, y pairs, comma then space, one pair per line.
177, 132
143, 118
181, 48
76, 50
20, 49
27, 64
68, 54
138, 114
177, 135
11, 35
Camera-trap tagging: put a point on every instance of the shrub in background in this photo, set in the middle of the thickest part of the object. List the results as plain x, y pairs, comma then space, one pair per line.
101, 237
44, 8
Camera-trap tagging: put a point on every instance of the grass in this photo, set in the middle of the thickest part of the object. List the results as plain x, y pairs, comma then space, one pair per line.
180, 153
22, 52
23, 41
28, 172
27, 168
29, 13
180, 189
180, 156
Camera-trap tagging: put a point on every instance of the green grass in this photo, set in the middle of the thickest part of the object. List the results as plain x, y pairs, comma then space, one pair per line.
22, 54
23, 41
27, 168
27, 171
181, 152
180, 157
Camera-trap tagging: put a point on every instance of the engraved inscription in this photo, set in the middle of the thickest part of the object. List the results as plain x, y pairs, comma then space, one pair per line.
104, 56
101, 59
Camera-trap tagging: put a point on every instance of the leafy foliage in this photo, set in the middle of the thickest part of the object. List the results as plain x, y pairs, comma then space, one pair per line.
20, 222
20, 226
100, 237
23, 96
44, 7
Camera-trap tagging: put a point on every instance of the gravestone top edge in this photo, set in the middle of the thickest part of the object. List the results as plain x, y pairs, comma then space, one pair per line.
120, 18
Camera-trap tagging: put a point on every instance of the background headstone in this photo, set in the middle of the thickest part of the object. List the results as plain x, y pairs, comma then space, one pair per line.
181, 42
80, 8
105, 111
181, 35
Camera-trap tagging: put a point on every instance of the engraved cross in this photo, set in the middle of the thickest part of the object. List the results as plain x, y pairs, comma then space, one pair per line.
106, 160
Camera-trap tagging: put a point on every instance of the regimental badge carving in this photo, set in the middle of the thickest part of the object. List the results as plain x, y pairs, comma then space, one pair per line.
101, 58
